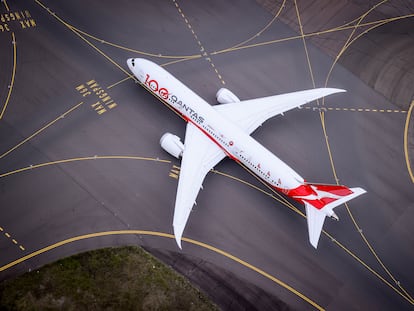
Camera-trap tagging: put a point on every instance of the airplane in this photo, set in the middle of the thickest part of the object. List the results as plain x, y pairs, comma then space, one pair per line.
219, 131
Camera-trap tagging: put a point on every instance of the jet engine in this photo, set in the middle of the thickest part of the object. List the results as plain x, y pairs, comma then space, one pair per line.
172, 144
225, 96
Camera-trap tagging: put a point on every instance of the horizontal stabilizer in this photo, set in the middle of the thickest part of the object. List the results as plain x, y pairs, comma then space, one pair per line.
328, 197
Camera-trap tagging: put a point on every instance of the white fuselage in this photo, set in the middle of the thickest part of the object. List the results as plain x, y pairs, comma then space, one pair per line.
235, 142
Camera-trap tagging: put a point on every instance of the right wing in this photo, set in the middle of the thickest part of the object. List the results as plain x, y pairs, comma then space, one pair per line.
199, 157
250, 114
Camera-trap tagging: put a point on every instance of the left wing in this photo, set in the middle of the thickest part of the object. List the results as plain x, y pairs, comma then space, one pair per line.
250, 114
199, 157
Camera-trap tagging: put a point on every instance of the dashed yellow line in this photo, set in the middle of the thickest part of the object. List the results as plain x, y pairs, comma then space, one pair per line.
83, 38
13, 240
202, 49
348, 42
354, 109
12, 77
102, 41
41, 130
170, 236
271, 194
81, 35
406, 153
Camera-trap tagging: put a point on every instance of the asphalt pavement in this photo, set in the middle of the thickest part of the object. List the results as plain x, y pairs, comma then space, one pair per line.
81, 166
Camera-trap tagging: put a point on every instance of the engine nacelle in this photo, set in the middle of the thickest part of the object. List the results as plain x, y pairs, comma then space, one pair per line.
225, 96
172, 144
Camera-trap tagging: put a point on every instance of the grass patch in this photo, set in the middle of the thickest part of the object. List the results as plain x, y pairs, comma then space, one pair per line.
126, 278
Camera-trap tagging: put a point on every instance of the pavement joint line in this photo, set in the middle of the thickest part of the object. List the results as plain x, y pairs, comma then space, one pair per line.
170, 236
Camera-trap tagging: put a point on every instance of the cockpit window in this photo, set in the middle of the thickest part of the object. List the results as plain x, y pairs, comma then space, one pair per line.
133, 62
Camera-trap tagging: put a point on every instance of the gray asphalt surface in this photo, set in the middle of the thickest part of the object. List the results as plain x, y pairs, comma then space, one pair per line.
45, 205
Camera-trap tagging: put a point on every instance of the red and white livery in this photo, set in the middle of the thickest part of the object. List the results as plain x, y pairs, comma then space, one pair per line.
214, 132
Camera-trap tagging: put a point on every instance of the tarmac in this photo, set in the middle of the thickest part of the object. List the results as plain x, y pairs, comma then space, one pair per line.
81, 167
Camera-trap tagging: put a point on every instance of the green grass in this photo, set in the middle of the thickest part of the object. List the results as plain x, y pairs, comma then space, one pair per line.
126, 278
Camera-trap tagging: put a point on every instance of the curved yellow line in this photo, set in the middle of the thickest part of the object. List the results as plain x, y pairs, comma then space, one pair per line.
406, 153
73, 28
348, 42
284, 202
405, 296
31, 167
404, 293
12, 77
312, 34
134, 50
282, 5
164, 235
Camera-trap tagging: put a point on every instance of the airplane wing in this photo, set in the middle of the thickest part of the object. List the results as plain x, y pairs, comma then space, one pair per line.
250, 114
199, 157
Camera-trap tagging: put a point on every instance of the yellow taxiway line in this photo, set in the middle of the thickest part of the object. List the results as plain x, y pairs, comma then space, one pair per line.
164, 235
406, 154
12, 77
